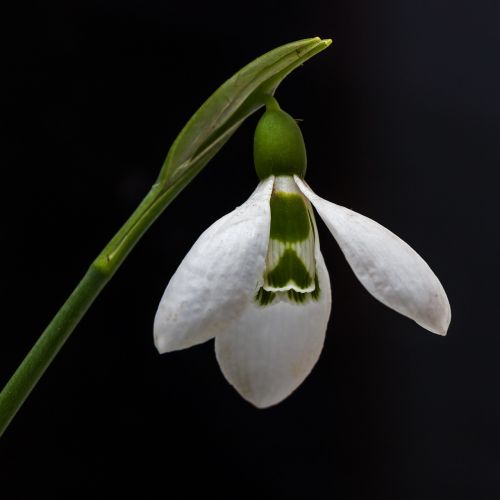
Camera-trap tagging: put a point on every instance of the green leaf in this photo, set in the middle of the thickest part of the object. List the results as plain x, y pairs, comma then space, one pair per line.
224, 111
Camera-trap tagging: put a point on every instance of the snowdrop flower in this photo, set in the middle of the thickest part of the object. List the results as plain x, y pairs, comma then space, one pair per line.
256, 280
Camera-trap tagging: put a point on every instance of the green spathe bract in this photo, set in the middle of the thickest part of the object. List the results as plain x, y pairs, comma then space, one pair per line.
236, 99
278, 146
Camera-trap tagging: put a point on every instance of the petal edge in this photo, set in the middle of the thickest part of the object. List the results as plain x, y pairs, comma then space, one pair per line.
272, 349
214, 282
386, 266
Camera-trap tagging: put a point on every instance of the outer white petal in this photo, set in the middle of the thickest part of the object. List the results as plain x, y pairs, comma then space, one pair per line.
387, 267
272, 349
218, 277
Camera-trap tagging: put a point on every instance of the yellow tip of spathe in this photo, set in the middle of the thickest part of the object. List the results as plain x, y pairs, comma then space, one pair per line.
327, 41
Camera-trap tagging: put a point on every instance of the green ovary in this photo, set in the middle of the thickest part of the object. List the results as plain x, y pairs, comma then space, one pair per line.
279, 147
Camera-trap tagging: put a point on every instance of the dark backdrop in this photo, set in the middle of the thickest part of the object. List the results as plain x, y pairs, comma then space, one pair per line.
400, 116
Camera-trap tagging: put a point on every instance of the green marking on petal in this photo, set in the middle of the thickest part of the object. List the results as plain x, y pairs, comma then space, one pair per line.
298, 297
301, 298
263, 297
316, 292
290, 221
289, 269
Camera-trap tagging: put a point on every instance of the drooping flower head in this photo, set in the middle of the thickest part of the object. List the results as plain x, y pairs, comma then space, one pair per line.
256, 280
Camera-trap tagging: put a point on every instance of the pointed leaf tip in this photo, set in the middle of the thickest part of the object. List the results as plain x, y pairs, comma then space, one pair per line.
224, 111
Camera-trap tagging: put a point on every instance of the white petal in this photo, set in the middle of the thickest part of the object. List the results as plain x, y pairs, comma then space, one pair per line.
272, 349
218, 276
387, 267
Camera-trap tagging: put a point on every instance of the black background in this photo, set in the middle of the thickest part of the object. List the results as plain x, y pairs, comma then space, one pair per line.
400, 117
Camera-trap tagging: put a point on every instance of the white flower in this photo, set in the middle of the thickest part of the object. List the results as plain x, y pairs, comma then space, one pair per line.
256, 281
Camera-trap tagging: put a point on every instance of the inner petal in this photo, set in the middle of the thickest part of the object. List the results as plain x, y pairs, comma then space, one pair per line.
290, 262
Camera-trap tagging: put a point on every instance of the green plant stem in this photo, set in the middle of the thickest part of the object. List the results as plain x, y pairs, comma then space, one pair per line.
60, 328
48, 345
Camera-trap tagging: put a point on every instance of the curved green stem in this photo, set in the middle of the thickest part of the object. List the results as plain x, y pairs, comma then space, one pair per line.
48, 345
60, 328
99, 273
